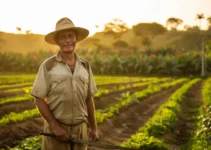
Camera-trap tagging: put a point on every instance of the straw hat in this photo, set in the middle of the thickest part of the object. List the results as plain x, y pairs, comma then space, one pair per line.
64, 24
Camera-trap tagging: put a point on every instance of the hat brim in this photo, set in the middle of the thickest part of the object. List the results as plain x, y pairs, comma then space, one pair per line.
82, 33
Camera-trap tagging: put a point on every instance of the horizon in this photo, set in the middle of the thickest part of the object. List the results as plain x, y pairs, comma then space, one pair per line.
40, 17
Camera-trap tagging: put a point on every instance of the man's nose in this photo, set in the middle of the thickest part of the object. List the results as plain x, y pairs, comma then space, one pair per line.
67, 39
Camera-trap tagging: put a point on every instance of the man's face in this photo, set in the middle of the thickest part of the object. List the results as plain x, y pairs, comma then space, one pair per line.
66, 40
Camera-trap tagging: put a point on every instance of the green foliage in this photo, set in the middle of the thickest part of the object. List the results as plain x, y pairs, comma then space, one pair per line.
101, 92
154, 87
161, 62
33, 143
17, 117
120, 44
16, 99
161, 122
201, 139
149, 30
9, 86
144, 142
174, 23
9, 80
115, 26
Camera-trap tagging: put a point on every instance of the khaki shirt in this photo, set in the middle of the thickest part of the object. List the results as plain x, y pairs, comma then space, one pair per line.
64, 92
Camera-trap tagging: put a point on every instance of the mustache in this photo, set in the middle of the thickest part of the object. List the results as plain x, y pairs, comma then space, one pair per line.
69, 43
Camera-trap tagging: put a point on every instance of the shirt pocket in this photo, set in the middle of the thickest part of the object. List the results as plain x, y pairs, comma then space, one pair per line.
58, 84
84, 84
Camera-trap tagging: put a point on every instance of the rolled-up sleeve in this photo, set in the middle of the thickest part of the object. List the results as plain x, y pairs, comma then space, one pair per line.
92, 90
41, 84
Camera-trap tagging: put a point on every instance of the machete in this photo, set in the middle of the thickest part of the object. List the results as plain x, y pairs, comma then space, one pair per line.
90, 143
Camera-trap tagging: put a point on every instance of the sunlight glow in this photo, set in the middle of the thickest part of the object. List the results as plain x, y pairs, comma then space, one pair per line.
41, 16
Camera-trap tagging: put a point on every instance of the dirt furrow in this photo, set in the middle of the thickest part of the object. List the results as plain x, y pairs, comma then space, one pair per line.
16, 87
4, 94
100, 103
111, 98
118, 84
12, 134
16, 107
132, 117
186, 123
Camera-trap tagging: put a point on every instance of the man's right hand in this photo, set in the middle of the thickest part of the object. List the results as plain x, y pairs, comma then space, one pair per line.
61, 133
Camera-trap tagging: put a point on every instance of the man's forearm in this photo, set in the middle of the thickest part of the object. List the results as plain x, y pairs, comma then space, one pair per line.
45, 112
91, 113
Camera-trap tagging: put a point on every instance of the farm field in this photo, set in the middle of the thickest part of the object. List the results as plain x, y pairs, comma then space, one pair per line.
137, 112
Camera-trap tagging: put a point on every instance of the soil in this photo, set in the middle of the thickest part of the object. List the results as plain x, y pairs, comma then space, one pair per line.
16, 107
19, 86
186, 123
100, 102
109, 99
114, 130
121, 127
4, 93
118, 84
12, 134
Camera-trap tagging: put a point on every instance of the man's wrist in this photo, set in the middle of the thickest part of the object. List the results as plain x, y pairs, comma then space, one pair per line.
53, 124
94, 127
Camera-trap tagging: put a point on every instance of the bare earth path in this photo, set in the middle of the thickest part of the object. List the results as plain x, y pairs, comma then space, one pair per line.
13, 133
121, 127
114, 130
186, 123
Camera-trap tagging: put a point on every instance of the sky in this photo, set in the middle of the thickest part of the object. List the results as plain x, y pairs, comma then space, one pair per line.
40, 16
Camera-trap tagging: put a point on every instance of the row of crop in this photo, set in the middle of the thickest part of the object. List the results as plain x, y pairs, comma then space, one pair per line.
15, 79
16, 91
16, 117
103, 91
102, 115
103, 63
201, 139
103, 79
147, 137
16, 85
24, 96
7, 90
15, 99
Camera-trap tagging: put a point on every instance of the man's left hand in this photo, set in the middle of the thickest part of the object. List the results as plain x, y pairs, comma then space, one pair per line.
93, 135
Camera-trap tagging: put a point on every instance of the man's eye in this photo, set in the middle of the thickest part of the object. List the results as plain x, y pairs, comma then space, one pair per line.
63, 37
70, 35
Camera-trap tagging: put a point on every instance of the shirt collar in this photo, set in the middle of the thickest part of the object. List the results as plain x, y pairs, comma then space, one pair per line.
59, 58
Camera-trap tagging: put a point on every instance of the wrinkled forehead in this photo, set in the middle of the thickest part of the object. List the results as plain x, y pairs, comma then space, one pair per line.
67, 32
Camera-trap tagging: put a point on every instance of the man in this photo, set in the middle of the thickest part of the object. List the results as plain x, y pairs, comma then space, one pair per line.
63, 90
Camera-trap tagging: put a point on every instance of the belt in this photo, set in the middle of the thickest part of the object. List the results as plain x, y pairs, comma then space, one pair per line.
73, 124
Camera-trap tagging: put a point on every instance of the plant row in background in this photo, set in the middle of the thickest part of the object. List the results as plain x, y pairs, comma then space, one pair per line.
201, 139
102, 91
25, 96
115, 62
16, 80
10, 80
148, 136
102, 115
16, 117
